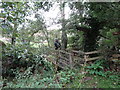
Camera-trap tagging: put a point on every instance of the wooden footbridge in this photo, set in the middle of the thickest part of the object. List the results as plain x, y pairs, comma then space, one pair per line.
71, 58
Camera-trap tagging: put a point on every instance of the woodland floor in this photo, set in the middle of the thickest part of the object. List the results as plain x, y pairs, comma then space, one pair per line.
46, 79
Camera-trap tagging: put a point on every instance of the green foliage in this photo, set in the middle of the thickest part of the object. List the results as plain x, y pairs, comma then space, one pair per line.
47, 79
23, 56
13, 13
100, 82
42, 5
111, 41
75, 40
96, 68
66, 76
24, 59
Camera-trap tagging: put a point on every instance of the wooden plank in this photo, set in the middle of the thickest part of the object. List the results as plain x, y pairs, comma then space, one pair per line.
116, 55
71, 63
58, 64
115, 59
65, 62
94, 58
78, 52
78, 59
85, 57
64, 58
61, 51
93, 52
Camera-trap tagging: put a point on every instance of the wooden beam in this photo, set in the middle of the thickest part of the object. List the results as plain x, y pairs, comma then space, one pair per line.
94, 58
116, 55
93, 52
116, 33
61, 51
79, 52
71, 61
64, 58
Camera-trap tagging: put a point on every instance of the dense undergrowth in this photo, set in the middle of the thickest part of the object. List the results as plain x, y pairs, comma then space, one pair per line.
26, 67
64, 79
45, 77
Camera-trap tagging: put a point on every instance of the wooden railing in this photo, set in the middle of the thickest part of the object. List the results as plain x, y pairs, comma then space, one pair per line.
115, 57
87, 54
70, 58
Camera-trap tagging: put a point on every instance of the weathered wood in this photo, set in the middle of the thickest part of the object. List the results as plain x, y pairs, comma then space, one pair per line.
61, 51
116, 55
93, 52
76, 57
78, 52
115, 59
71, 62
68, 62
85, 57
94, 58
64, 58
67, 59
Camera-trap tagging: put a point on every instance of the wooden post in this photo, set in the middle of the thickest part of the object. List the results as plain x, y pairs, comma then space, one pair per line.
85, 57
56, 63
71, 63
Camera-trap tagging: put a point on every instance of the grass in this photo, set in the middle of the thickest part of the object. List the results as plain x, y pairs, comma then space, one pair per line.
99, 82
95, 82
47, 80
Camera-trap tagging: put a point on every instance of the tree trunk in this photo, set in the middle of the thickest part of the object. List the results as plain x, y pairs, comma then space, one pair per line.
91, 36
90, 40
64, 34
14, 34
13, 40
45, 32
64, 40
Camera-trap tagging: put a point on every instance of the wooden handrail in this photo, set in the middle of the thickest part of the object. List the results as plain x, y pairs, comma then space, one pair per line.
93, 52
61, 51
116, 55
94, 58
76, 51
64, 58
68, 61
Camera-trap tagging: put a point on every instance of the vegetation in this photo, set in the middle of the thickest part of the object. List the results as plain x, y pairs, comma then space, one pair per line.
27, 42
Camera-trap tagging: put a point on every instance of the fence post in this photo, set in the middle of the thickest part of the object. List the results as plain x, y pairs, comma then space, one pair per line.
56, 63
71, 63
85, 57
